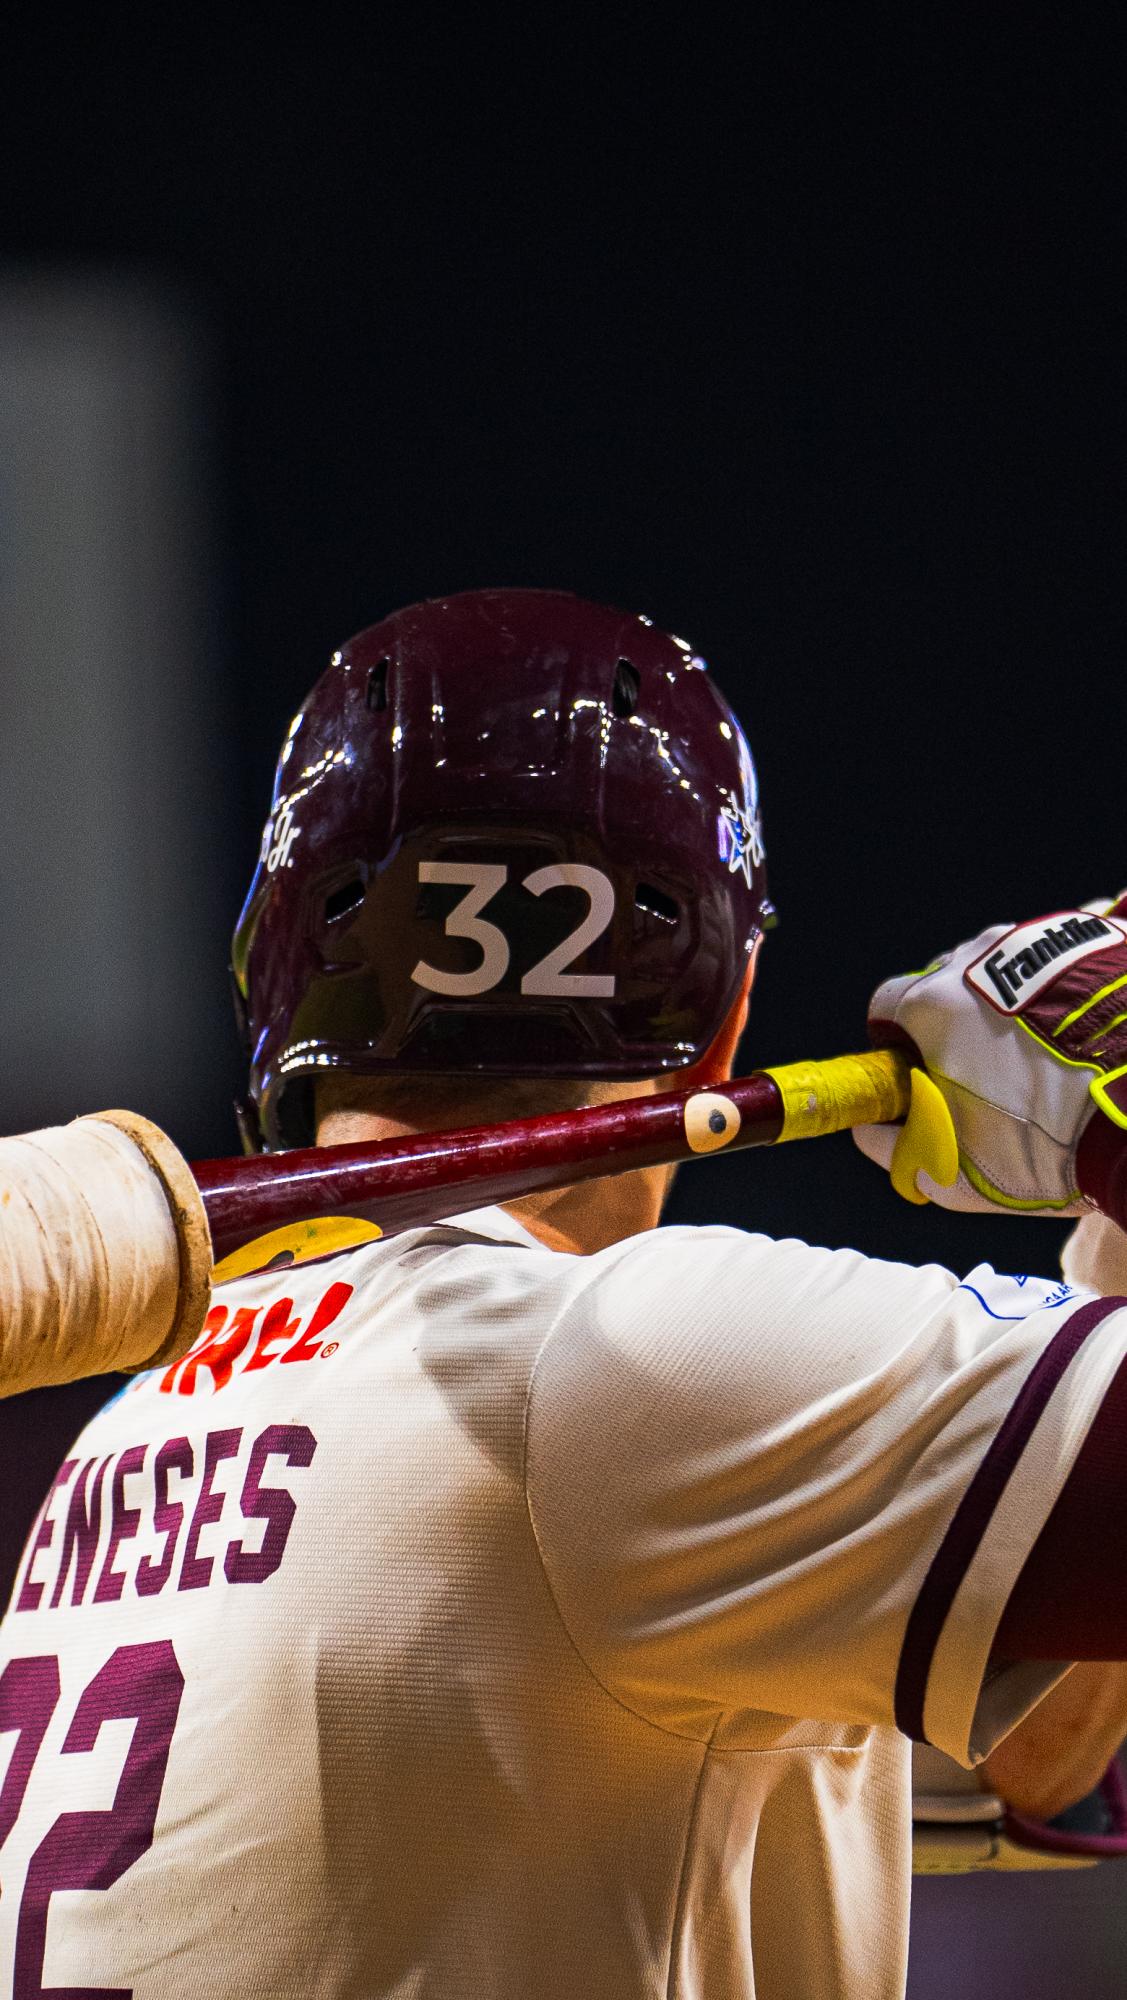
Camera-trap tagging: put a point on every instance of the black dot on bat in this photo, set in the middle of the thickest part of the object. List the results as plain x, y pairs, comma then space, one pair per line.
716, 1121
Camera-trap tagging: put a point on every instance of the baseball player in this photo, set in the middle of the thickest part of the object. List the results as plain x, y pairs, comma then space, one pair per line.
542, 1604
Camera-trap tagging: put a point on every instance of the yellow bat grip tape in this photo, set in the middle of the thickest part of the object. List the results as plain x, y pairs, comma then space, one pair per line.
823, 1097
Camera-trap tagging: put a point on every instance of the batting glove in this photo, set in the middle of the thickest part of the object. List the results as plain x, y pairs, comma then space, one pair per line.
1024, 1030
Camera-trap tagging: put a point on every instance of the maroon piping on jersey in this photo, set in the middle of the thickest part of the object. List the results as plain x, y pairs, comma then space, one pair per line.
976, 1510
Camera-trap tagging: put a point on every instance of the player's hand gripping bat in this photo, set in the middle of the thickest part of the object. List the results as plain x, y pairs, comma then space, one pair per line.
404, 1183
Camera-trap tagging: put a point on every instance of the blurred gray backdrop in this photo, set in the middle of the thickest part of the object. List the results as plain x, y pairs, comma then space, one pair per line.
112, 727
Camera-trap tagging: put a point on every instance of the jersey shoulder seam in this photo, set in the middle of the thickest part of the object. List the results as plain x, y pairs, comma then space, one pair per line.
702, 1742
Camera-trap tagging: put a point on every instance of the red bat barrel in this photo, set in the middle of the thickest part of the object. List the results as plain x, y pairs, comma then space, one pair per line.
404, 1183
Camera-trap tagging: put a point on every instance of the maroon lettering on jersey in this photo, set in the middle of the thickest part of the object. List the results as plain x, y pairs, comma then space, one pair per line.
175, 1454
183, 1488
92, 1850
195, 1570
124, 1522
29, 1694
80, 1533
29, 1592
273, 1504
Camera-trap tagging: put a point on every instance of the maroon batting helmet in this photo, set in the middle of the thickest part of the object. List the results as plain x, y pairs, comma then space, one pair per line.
512, 832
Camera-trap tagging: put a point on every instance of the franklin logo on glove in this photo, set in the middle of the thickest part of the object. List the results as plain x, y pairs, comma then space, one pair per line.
1024, 1032
1033, 955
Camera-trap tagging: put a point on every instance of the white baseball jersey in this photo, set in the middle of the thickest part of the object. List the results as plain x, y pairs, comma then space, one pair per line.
467, 1621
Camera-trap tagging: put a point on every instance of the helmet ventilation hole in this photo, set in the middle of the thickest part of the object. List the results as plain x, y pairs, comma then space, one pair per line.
624, 698
376, 695
344, 899
656, 903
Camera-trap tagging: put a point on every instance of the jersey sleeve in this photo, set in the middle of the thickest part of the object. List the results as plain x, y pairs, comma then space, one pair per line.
1095, 1255
769, 1477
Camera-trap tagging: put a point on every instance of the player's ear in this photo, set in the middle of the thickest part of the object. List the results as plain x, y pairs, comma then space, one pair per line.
715, 1066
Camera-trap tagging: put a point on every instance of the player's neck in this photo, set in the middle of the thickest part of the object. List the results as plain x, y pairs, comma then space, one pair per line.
583, 1218
591, 1215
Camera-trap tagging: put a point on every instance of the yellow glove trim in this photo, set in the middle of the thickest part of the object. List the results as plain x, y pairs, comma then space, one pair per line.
1078, 1012
1098, 1092
927, 1142
1070, 1062
980, 1183
1116, 1021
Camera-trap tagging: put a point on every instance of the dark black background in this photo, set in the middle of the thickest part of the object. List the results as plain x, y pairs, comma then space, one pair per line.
810, 346
811, 349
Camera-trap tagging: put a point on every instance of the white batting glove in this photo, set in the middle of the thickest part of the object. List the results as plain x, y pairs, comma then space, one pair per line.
1024, 1030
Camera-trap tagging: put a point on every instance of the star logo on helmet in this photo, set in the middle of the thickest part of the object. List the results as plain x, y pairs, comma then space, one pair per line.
744, 841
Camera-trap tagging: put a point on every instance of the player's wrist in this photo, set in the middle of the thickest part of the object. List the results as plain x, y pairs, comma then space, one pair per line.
1101, 1167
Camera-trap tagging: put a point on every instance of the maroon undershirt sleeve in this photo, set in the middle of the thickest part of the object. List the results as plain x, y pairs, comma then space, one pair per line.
1101, 1157
1070, 1601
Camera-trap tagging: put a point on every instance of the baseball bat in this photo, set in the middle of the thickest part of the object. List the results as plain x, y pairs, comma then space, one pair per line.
404, 1183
